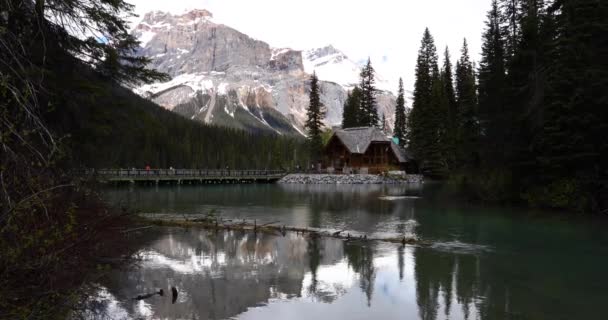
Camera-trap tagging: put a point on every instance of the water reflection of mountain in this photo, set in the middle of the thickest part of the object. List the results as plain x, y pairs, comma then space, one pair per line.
521, 267
221, 275
225, 275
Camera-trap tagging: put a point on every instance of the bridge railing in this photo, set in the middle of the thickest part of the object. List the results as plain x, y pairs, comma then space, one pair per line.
183, 173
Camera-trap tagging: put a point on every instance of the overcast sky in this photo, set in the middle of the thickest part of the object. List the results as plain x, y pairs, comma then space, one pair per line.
389, 31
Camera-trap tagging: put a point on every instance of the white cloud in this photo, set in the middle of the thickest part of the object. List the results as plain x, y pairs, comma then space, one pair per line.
389, 31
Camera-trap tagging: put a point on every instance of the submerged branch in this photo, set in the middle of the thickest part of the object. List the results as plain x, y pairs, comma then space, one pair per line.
271, 228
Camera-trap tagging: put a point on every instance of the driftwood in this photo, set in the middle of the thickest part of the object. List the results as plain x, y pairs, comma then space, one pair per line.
149, 295
136, 229
272, 228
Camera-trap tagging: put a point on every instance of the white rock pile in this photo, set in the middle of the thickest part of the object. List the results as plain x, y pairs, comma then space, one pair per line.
347, 179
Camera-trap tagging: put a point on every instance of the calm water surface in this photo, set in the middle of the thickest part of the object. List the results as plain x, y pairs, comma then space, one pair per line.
485, 263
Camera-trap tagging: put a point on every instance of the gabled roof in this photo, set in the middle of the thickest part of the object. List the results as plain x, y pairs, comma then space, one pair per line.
357, 140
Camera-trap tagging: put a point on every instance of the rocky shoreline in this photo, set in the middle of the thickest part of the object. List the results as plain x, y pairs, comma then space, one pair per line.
349, 179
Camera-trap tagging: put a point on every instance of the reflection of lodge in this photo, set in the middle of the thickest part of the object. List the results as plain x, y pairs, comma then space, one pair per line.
365, 150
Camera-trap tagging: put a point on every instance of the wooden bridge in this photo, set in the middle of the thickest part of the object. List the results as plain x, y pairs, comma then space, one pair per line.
186, 176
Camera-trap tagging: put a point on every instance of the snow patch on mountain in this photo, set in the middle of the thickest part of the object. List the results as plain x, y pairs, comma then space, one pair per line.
223, 76
277, 52
333, 65
196, 82
145, 37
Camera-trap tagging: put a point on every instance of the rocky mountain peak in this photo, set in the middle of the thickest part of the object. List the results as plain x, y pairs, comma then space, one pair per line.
197, 14
327, 51
192, 42
286, 59
224, 77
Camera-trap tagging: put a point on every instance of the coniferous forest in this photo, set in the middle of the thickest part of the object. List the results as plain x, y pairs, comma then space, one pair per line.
64, 105
152, 136
527, 123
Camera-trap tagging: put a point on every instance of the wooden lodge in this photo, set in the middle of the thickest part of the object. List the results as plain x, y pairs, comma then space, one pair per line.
365, 150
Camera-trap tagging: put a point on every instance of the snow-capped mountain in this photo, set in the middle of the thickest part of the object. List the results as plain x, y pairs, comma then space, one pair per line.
224, 77
333, 65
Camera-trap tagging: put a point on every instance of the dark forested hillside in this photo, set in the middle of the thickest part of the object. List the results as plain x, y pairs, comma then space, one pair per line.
107, 125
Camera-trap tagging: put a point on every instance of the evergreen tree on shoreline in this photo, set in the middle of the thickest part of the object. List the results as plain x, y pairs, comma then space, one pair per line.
400, 129
493, 113
449, 109
418, 122
467, 135
314, 122
425, 118
368, 115
571, 147
352, 107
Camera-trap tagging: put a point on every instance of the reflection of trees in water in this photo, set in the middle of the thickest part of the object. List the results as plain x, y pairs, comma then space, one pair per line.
481, 285
360, 257
233, 272
427, 287
436, 275
400, 260
220, 275
467, 281
314, 258
468, 278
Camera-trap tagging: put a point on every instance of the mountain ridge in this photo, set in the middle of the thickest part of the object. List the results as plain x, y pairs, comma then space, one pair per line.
222, 76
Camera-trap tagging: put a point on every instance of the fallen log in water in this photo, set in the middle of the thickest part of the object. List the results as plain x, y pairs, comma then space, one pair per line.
271, 228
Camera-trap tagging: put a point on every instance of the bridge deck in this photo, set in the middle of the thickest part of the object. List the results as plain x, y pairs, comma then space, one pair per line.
180, 176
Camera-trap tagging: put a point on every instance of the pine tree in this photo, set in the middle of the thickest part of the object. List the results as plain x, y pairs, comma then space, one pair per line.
425, 119
572, 148
400, 129
449, 109
418, 120
526, 81
352, 107
494, 116
369, 113
314, 122
509, 12
467, 135
436, 160
357, 97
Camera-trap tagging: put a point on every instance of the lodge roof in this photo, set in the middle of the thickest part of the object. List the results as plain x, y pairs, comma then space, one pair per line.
357, 140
